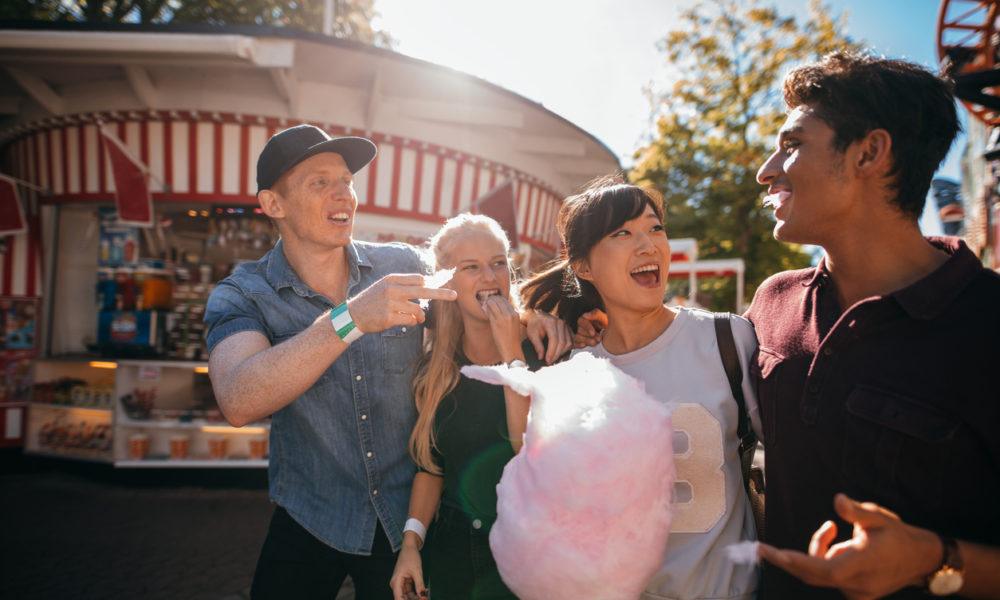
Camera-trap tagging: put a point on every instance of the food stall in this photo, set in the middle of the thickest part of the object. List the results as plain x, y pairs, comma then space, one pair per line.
117, 370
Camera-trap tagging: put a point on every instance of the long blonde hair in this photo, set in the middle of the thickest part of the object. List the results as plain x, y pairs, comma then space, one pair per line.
437, 372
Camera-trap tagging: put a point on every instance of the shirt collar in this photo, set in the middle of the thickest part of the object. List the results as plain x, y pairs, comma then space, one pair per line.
358, 255
930, 296
820, 274
280, 273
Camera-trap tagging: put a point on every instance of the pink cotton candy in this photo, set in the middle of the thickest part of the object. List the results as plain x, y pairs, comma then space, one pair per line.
583, 510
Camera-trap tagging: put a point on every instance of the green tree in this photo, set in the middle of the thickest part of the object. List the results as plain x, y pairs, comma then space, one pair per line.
716, 124
353, 17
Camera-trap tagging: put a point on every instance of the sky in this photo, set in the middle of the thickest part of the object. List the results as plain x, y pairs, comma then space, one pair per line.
590, 60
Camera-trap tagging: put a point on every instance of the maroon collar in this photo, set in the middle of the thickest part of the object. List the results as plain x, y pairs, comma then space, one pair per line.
819, 274
928, 297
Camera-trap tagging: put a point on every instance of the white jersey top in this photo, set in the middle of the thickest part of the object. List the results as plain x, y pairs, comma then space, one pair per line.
711, 511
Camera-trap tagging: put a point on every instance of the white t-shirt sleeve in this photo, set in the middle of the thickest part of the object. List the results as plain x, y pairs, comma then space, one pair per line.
746, 346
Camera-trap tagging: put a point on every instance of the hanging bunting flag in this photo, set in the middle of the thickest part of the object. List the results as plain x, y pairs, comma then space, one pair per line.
12, 219
498, 204
132, 197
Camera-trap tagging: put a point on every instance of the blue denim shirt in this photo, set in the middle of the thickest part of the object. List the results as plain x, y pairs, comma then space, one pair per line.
338, 453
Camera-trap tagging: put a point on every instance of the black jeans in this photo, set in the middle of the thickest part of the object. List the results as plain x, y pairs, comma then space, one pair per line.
294, 564
458, 564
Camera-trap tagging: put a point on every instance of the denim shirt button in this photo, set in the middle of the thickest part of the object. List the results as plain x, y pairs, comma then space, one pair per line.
357, 378
364, 417
404, 330
477, 524
374, 492
369, 455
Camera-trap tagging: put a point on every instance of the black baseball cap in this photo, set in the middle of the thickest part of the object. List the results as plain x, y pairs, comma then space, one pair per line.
288, 148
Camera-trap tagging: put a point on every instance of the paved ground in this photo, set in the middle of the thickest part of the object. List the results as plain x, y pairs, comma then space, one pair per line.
70, 530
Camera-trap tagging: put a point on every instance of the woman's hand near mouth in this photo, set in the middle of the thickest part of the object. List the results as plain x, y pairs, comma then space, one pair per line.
505, 324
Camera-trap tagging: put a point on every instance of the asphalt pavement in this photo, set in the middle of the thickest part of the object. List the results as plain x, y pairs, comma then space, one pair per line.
74, 530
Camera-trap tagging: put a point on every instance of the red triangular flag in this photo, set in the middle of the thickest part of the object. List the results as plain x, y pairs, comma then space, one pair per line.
12, 219
498, 204
132, 197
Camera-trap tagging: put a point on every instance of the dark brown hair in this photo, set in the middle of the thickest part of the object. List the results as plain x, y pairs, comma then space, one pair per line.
856, 93
584, 220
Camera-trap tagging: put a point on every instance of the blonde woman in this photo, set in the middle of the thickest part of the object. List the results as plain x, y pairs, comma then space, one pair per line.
466, 430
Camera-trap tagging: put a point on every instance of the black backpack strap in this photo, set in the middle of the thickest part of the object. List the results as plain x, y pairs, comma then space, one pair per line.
734, 372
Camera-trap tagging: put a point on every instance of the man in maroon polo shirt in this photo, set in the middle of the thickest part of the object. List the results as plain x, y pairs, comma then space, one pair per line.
878, 369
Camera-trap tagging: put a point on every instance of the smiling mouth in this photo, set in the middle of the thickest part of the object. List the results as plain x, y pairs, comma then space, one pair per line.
340, 218
482, 295
776, 199
647, 275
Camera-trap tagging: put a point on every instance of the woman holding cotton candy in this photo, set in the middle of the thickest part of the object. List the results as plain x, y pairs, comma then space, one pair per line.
466, 430
617, 261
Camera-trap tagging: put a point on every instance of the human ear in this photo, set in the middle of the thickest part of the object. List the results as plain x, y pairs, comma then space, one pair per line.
875, 153
270, 203
581, 269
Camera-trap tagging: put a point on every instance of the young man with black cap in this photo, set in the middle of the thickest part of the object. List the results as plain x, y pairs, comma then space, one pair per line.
322, 334
877, 370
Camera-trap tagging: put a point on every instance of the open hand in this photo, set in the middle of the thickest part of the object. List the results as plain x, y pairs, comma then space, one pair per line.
883, 554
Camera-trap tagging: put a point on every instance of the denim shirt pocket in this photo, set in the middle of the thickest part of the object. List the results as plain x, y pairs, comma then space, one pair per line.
400, 348
897, 447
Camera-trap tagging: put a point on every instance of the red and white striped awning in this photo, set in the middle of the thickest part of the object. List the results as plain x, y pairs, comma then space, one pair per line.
211, 157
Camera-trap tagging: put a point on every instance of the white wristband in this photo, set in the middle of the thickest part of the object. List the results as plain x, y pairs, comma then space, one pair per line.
416, 527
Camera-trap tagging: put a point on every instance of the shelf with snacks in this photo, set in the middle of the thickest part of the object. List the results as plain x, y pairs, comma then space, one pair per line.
137, 352
193, 448
136, 413
70, 413
152, 284
165, 412
167, 417
83, 435
73, 384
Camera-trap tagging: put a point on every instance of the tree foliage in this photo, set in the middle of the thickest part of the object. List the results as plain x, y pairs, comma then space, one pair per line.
354, 18
716, 124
